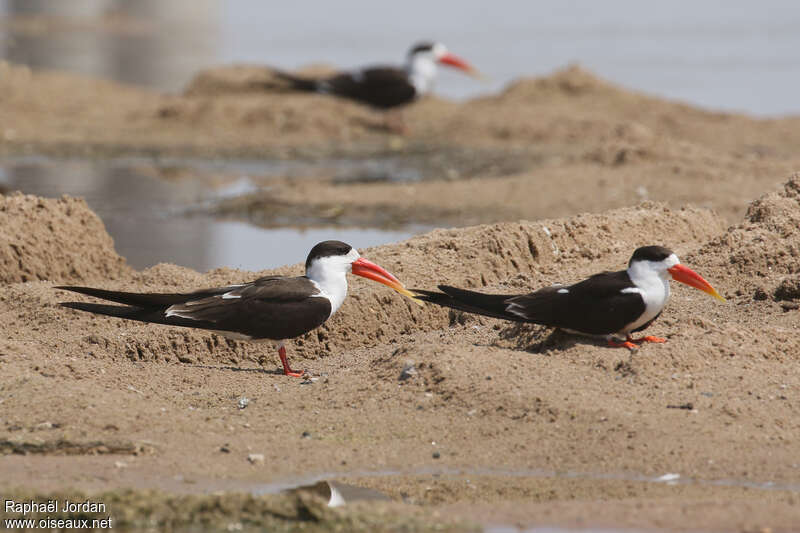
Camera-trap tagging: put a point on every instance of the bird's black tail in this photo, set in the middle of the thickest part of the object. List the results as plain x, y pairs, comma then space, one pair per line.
297, 83
493, 305
142, 300
120, 311
150, 315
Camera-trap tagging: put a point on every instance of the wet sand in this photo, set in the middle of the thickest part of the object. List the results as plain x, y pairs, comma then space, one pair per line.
497, 424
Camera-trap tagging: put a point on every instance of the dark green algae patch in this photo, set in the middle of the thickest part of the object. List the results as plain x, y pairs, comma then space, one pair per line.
150, 510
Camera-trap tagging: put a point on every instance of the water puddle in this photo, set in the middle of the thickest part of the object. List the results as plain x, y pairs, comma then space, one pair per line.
157, 210
342, 489
522, 474
339, 494
514, 529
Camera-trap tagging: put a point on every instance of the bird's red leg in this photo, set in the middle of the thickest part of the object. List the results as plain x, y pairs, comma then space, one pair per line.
647, 338
626, 344
286, 369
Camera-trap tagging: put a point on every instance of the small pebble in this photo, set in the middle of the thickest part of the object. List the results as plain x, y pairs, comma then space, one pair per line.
409, 371
669, 478
256, 458
306, 435
243, 402
687, 406
436, 455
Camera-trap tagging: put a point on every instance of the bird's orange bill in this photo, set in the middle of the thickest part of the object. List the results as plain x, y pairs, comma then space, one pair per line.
693, 279
455, 61
369, 270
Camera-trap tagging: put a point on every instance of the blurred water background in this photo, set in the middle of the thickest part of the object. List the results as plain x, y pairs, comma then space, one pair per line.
724, 55
732, 55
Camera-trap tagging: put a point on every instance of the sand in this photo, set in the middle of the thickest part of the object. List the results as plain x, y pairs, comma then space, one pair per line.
33, 237
458, 419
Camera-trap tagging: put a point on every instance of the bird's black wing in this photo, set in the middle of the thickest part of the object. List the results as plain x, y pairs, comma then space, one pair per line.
596, 306
298, 83
600, 305
382, 87
493, 305
269, 308
145, 299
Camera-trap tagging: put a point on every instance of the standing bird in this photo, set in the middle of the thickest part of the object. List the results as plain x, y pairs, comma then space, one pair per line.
385, 87
609, 304
272, 307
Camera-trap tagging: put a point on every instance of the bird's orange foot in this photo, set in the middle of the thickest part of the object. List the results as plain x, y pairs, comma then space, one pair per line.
648, 338
287, 370
626, 344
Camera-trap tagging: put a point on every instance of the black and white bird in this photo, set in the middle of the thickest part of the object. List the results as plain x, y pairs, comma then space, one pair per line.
269, 308
386, 87
609, 304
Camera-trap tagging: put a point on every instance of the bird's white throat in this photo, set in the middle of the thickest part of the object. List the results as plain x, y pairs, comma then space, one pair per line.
329, 274
651, 281
421, 70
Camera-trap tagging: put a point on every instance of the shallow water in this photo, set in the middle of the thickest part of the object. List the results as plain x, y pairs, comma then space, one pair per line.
545, 529
510, 477
148, 215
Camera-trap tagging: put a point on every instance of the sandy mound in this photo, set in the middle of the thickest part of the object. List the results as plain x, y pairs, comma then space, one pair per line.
238, 79
56, 240
761, 256
537, 109
767, 244
65, 112
234, 79
529, 253
244, 110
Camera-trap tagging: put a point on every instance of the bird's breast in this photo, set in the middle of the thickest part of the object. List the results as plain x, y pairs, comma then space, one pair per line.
654, 294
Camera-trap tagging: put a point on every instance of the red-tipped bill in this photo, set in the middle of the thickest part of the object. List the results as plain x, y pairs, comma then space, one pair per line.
369, 270
693, 279
455, 61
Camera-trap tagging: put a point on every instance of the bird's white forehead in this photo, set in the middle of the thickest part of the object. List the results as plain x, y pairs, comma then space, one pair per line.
671, 261
666, 263
349, 257
439, 50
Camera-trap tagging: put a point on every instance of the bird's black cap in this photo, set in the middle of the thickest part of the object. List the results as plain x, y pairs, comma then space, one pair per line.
650, 253
327, 249
422, 46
